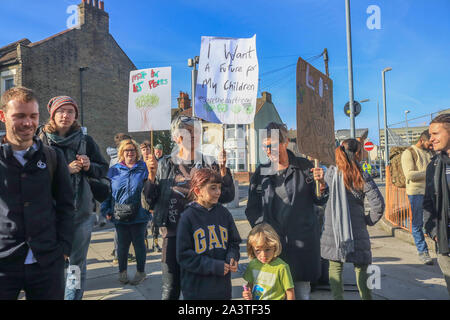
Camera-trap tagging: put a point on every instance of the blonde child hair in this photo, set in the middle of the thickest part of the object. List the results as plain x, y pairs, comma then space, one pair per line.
263, 235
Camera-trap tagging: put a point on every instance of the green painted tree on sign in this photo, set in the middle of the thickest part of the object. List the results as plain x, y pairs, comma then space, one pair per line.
144, 104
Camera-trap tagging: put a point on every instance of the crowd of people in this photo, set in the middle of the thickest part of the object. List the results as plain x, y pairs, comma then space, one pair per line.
49, 190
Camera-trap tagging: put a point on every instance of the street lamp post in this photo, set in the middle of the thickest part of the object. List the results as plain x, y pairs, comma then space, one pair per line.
81, 94
386, 138
350, 69
406, 121
379, 142
193, 63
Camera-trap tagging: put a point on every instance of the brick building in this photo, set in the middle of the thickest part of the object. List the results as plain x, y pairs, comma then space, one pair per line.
53, 66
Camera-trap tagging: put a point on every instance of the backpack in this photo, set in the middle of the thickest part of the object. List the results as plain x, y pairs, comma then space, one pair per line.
398, 178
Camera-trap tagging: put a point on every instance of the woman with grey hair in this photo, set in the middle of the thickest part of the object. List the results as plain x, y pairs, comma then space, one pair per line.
282, 194
166, 192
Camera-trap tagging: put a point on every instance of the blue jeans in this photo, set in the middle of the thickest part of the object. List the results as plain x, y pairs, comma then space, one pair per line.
417, 222
126, 234
78, 256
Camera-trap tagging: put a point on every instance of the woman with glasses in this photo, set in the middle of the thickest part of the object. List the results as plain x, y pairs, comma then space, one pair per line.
124, 208
166, 192
282, 194
84, 160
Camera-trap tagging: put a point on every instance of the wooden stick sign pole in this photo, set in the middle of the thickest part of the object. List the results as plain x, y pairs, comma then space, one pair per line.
151, 140
316, 165
223, 138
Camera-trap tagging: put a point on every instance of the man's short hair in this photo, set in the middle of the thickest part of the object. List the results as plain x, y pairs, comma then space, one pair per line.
282, 131
21, 94
442, 118
425, 135
183, 122
119, 137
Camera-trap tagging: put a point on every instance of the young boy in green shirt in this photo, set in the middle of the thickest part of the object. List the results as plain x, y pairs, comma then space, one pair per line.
268, 277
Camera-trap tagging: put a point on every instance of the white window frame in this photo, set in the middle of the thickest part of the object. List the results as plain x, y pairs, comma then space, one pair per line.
7, 75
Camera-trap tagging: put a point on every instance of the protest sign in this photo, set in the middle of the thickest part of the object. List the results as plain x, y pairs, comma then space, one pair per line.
149, 99
315, 118
227, 81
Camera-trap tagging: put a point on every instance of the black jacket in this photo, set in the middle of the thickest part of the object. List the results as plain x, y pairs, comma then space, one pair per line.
299, 232
84, 205
435, 207
34, 212
206, 239
157, 194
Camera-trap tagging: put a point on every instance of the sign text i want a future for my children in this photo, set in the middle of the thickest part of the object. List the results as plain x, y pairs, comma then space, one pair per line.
227, 81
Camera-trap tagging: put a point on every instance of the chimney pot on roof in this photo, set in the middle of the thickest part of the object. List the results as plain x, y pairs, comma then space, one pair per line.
102, 5
267, 96
96, 4
183, 101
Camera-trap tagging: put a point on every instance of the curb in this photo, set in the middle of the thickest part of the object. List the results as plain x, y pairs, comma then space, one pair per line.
404, 235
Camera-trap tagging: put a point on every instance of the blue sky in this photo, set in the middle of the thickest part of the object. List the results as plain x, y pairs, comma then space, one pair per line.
413, 40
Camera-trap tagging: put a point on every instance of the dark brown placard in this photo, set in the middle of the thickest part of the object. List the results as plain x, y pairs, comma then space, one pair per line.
315, 118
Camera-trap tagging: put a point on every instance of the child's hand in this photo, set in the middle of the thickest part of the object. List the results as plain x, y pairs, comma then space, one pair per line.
247, 293
226, 268
233, 265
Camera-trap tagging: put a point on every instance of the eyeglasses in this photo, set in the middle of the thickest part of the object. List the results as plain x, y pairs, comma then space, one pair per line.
64, 111
270, 146
186, 119
130, 150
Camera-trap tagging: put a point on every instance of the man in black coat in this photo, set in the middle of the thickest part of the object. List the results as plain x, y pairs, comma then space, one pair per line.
437, 193
36, 205
282, 193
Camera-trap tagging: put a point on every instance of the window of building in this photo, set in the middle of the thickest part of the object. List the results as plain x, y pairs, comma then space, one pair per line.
7, 80
9, 83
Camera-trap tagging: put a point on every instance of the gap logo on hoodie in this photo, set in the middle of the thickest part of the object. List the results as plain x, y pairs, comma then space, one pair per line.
214, 237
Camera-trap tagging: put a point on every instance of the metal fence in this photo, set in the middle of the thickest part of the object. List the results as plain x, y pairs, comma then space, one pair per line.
398, 209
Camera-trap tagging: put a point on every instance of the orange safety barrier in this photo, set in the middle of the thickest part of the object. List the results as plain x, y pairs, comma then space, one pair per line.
398, 209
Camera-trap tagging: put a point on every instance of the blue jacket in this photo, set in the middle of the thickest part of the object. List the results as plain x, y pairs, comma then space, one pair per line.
126, 185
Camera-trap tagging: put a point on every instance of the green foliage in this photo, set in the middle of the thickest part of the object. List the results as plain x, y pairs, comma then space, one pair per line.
163, 137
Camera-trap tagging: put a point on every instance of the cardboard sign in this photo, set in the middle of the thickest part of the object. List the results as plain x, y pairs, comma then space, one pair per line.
227, 81
315, 118
149, 99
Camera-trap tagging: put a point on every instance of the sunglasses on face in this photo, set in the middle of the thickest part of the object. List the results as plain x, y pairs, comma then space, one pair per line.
270, 146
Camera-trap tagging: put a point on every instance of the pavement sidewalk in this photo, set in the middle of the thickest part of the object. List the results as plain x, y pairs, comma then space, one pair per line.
402, 275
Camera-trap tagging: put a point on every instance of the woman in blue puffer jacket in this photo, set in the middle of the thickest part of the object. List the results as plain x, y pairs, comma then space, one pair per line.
125, 210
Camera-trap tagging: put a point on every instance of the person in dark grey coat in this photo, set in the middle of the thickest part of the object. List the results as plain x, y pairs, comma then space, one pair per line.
284, 198
345, 219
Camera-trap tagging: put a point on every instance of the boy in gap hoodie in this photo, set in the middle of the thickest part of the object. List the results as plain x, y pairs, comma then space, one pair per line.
207, 242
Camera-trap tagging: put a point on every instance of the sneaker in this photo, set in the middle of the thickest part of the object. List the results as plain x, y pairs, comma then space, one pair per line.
138, 278
131, 258
157, 248
425, 257
115, 262
123, 277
